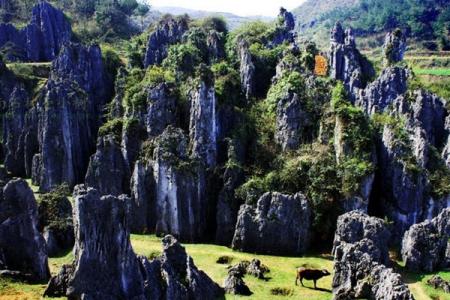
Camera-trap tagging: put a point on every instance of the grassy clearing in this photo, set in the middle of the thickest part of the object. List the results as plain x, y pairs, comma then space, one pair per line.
279, 286
434, 72
282, 269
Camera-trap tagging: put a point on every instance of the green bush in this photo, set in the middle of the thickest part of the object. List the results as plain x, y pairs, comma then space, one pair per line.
55, 210
114, 127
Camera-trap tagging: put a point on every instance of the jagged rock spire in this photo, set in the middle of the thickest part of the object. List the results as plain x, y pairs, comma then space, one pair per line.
394, 47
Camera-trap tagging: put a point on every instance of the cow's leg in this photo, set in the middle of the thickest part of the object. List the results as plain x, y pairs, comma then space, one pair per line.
301, 280
315, 287
296, 279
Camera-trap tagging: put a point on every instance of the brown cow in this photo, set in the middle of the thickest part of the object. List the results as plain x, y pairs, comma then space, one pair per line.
310, 274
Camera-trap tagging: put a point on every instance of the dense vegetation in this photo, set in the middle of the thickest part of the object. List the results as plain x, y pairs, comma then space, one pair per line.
92, 19
425, 20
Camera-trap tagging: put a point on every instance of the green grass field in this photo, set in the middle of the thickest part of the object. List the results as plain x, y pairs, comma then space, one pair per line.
434, 72
282, 274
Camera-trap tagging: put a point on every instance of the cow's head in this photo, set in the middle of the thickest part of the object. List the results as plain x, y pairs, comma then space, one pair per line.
325, 272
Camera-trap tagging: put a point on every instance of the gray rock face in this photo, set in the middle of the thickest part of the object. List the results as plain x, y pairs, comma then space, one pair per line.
203, 127
291, 120
69, 109
174, 276
394, 47
42, 39
180, 202
346, 62
284, 32
105, 265
161, 110
228, 206
19, 132
424, 245
378, 95
22, 247
446, 151
215, 41
107, 172
439, 283
142, 195
358, 275
247, 69
169, 31
355, 226
234, 284
279, 224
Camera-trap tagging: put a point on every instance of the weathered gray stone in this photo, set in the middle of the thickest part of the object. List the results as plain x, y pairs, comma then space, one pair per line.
22, 247
107, 172
247, 69
105, 265
42, 39
394, 47
180, 204
358, 275
279, 224
355, 226
424, 245
142, 196
203, 125
346, 62
168, 31
234, 284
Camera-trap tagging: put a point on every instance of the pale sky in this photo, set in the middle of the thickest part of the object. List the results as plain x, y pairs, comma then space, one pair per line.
238, 7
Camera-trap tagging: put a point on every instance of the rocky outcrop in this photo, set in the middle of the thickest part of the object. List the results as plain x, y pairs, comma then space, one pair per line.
355, 226
247, 69
168, 31
173, 275
394, 47
439, 283
291, 121
279, 224
284, 31
161, 109
69, 109
228, 205
360, 251
142, 195
107, 172
378, 95
19, 132
180, 203
446, 151
42, 39
215, 41
346, 62
358, 274
234, 283
424, 245
105, 265
22, 247
203, 127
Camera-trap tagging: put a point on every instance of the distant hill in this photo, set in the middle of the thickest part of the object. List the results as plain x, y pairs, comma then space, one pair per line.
310, 11
427, 22
233, 20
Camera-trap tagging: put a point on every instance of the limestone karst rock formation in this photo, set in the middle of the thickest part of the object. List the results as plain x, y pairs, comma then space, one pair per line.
169, 31
247, 69
346, 62
360, 254
425, 245
278, 224
22, 246
394, 47
203, 126
108, 172
106, 266
42, 39
78, 78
